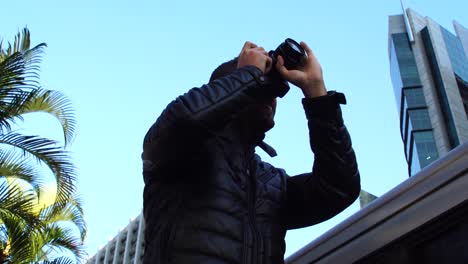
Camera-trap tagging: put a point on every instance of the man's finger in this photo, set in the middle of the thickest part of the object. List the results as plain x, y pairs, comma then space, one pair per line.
248, 45
268, 65
260, 49
307, 49
280, 66
263, 51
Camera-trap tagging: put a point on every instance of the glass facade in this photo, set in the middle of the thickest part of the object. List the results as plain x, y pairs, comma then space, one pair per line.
426, 148
414, 165
463, 88
457, 54
415, 97
459, 62
404, 126
404, 53
414, 115
422, 149
403, 69
415, 123
395, 76
414, 109
408, 140
420, 119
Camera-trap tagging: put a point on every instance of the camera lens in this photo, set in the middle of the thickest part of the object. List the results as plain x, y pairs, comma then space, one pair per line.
294, 57
294, 45
293, 54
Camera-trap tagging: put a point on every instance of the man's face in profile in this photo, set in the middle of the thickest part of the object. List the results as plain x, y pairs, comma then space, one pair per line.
259, 116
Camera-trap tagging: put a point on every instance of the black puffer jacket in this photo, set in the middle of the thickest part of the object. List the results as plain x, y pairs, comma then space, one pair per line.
210, 199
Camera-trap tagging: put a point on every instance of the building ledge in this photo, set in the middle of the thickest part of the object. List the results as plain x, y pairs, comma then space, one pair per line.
418, 202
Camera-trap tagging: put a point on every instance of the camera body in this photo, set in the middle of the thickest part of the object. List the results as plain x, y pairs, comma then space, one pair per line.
294, 57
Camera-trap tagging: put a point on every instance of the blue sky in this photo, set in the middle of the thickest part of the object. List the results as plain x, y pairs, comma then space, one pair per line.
121, 62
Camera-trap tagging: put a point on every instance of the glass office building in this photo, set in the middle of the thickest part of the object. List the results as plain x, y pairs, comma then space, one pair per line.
429, 72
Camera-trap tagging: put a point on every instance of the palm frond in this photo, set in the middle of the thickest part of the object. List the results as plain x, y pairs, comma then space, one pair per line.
20, 91
16, 75
15, 203
17, 221
55, 104
60, 260
44, 150
21, 39
18, 78
22, 42
71, 212
60, 238
2, 52
40, 100
37, 244
21, 69
14, 166
19, 240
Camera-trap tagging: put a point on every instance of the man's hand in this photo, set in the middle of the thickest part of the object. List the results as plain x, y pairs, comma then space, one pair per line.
251, 54
309, 78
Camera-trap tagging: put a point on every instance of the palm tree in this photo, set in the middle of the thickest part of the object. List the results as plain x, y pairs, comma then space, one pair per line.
29, 234
21, 94
15, 211
53, 231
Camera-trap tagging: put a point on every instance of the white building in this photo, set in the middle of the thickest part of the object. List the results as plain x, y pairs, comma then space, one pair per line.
125, 248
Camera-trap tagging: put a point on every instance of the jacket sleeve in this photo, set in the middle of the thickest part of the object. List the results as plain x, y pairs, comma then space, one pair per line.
334, 182
184, 124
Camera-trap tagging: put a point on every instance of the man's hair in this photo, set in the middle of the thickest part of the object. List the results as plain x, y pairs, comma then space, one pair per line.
224, 69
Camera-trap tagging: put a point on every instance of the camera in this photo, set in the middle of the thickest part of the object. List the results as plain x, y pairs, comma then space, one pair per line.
294, 57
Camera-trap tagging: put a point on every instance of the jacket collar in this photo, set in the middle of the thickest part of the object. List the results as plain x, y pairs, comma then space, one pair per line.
244, 137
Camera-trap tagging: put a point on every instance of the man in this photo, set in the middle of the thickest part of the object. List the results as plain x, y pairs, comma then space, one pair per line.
209, 198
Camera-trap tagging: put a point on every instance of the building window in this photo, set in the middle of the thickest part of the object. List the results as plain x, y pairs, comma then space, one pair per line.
408, 140
411, 118
404, 123
463, 88
414, 166
456, 54
420, 119
403, 69
415, 97
426, 147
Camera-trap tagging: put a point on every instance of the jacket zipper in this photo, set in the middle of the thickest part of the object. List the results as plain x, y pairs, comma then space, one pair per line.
251, 208
245, 248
